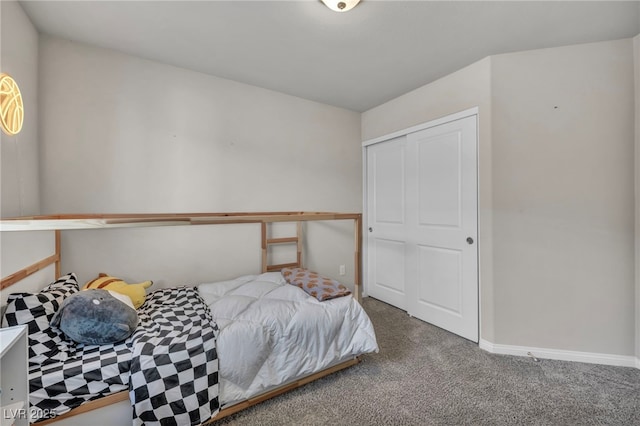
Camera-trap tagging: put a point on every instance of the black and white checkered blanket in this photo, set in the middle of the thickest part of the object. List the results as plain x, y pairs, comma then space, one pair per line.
169, 365
174, 364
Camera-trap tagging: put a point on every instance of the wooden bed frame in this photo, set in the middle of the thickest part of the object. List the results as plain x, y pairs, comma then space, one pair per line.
59, 223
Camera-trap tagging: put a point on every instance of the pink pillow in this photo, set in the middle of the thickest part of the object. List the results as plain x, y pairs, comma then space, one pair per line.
322, 288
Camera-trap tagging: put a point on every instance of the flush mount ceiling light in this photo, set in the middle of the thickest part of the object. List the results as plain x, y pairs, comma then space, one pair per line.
341, 5
11, 108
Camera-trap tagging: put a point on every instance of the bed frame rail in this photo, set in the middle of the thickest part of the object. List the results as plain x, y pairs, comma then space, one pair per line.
32, 269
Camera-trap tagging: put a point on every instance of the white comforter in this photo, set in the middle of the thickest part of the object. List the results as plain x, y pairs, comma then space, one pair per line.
272, 333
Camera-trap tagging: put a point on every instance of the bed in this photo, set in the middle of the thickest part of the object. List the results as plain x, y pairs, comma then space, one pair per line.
257, 343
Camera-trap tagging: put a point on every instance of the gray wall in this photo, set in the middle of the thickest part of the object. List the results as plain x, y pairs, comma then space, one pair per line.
121, 134
556, 191
563, 205
19, 190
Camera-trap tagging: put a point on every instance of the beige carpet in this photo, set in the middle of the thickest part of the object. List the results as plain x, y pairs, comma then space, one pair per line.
424, 375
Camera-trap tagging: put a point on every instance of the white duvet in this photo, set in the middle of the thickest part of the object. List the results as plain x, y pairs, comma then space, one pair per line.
272, 333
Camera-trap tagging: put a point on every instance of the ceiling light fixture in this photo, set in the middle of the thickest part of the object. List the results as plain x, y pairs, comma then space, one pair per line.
341, 5
11, 108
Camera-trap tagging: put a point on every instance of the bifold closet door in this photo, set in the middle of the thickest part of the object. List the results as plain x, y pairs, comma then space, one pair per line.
422, 217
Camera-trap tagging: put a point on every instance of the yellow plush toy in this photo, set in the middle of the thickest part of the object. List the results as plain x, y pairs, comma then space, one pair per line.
136, 292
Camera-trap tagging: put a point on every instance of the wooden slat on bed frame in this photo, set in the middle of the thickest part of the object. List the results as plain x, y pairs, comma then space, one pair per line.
89, 406
267, 242
32, 269
93, 221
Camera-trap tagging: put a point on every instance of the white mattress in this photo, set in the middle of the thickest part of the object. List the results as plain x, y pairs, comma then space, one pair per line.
272, 333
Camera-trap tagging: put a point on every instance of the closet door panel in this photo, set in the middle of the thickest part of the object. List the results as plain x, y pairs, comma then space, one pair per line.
442, 287
440, 279
386, 204
389, 265
439, 181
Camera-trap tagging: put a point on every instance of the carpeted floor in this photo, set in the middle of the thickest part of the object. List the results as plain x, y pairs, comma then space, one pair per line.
424, 375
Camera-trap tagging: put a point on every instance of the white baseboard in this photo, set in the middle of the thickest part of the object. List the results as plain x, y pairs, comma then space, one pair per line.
561, 355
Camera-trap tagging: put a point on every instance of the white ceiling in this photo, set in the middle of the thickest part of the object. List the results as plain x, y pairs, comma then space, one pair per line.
356, 60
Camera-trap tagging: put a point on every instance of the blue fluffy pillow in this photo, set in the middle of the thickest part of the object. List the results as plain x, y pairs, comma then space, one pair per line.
95, 317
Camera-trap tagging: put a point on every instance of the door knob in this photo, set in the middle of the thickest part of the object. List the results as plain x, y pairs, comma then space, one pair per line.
469, 240
370, 229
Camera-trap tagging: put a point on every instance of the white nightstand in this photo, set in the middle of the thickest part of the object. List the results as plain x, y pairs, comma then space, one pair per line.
14, 386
